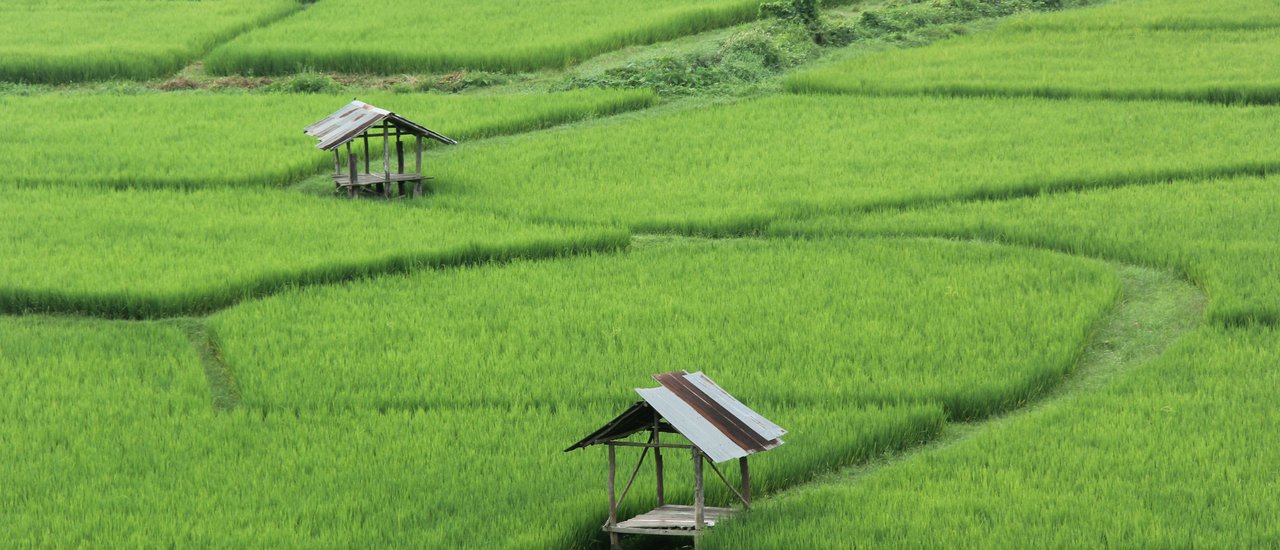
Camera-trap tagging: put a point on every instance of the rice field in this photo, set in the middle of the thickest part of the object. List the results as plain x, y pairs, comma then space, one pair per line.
778, 313
987, 319
60, 41
1170, 455
1220, 233
1195, 65
1137, 49
406, 36
201, 140
140, 254
137, 435
731, 169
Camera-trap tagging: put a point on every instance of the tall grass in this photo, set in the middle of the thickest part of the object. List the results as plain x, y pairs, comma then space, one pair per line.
59, 41
732, 168
1137, 49
396, 36
206, 140
161, 253
789, 322
1174, 454
1223, 234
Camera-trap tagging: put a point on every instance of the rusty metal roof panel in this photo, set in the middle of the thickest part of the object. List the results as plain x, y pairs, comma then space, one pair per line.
692, 425
709, 417
355, 118
762, 426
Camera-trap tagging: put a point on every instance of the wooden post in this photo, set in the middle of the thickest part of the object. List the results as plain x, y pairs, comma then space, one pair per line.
657, 461
400, 160
337, 163
366, 151
614, 541
418, 165
352, 160
698, 497
386, 153
746, 481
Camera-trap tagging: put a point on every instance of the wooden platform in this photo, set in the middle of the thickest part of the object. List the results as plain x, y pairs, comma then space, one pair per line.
373, 179
669, 520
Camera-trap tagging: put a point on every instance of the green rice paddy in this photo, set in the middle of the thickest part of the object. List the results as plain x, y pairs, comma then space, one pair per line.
1011, 288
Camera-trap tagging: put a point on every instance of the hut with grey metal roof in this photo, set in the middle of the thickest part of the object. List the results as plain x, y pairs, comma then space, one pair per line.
717, 427
362, 121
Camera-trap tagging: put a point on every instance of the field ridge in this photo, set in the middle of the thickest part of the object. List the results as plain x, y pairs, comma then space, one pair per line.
1158, 309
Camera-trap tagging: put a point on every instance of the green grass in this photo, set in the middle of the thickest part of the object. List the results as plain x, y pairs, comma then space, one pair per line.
1170, 455
788, 322
1153, 49
59, 41
732, 168
1200, 65
1219, 233
207, 140
397, 36
163, 253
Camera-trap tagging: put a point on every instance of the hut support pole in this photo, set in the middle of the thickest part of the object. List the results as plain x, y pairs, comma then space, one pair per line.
352, 161
366, 151
337, 163
746, 481
418, 161
400, 161
698, 496
417, 186
614, 541
386, 162
657, 464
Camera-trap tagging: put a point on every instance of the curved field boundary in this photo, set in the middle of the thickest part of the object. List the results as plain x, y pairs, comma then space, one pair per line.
1157, 310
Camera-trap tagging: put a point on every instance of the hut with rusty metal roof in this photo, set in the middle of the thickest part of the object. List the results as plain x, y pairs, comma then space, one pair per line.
717, 427
362, 121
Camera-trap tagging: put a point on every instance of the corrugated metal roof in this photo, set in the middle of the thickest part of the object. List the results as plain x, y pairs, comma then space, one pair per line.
701, 411
350, 121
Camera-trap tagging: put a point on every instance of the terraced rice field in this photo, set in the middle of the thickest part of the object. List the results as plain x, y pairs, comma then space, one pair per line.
1194, 51
985, 318
55, 41
162, 140
394, 36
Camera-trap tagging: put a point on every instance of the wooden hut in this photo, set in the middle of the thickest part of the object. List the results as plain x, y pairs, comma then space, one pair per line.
718, 428
362, 121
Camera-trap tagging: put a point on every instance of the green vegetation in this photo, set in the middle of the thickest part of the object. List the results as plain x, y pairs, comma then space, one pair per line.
1222, 15
109, 441
408, 36
848, 330
1221, 233
1167, 456
357, 467
203, 140
731, 168
57, 41
1192, 51
162, 253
